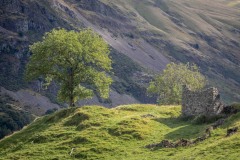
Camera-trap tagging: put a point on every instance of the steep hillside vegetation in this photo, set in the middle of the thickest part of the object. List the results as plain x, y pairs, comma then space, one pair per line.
94, 132
150, 32
12, 117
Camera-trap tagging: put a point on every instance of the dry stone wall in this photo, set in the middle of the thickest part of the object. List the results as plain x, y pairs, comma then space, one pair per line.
205, 102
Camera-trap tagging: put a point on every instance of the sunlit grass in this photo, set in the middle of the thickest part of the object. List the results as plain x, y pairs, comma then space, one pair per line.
94, 132
234, 3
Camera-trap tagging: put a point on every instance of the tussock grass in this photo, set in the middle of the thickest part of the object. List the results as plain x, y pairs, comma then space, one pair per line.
94, 132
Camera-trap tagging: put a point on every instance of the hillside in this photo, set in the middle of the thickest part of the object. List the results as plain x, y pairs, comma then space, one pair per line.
12, 116
154, 32
94, 132
144, 35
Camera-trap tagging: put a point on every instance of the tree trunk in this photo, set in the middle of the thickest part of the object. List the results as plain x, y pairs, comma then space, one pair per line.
71, 103
71, 88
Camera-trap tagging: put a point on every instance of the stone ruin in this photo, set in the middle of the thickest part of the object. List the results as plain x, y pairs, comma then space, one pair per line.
205, 102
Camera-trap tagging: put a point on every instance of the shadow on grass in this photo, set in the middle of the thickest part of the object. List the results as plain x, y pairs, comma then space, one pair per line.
231, 120
181, 129
38, 126
22, 137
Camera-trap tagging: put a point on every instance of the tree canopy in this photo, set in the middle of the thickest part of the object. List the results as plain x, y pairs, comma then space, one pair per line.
77, 60
168, 85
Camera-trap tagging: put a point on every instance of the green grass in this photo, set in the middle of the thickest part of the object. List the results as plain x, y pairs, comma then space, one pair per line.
120, 133
233, 3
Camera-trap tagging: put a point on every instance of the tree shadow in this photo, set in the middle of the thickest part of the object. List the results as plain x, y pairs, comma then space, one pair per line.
181, 128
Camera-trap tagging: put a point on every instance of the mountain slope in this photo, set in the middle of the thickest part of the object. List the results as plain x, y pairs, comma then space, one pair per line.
149, 32
93, 132
203, 32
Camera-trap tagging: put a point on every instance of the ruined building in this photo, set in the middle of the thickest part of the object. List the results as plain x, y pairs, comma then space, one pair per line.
204, 102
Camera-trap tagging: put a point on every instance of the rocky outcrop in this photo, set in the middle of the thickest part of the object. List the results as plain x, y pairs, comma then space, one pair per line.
36, 17
205, 102
22, 23
232, 131
102, 9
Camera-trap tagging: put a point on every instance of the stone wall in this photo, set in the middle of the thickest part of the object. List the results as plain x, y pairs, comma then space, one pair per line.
204, 102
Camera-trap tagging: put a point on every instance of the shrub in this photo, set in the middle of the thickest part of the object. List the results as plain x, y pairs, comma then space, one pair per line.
11, 118
203, 119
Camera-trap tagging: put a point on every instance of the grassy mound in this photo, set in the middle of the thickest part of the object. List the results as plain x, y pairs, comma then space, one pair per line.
94, 132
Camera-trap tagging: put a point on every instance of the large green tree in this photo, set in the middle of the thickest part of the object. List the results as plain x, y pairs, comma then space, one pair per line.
77, 60
168, 85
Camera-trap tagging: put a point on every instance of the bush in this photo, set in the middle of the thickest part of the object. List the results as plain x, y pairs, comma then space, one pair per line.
20, 34
11, 119
50, 111
203, 119
236, 106
231, 109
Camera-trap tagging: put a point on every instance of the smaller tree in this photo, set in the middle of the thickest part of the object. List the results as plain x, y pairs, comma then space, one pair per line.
77, 61
168, 85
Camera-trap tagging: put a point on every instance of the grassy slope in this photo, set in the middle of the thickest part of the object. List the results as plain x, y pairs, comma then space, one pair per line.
120, 133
